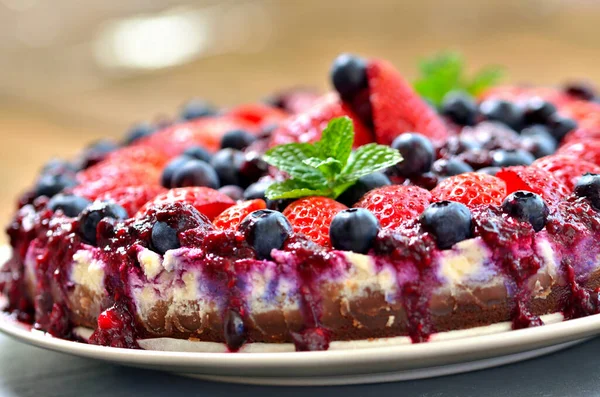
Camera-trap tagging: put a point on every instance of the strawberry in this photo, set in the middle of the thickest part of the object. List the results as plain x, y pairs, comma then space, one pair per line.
312, 216
105, 177
534, 180
397, 108
258, 114
206, 200
588, 150
581, 134
132, 198
233, 216
521, 94
206, 132
566, 168
585, 113
396, 204
296, 100
471, 189
307, 126
138, 155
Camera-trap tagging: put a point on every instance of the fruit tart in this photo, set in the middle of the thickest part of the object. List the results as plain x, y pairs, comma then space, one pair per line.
381, 209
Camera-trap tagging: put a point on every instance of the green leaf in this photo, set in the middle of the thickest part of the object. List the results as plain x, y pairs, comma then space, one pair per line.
329, 167
289, 158
291, 189
368, 159
336, 140
484, 79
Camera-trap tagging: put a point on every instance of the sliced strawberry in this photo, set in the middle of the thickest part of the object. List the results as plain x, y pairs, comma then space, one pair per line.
397, 108
258, 114
132, 198
588, 150
308, 126
396, 204
105, 177
312, 216
233, 216
566, 168
206, 200
138, 155
471, 189
535, 180
206, 132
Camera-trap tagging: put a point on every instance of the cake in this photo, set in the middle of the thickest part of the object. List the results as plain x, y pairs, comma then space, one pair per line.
378, 210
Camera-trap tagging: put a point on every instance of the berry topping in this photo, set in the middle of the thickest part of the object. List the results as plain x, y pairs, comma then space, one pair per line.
354, 230
164, 238
197, 108
69, 204
195, 173
460, 108
448, 221
565, 168
233, 216
538, 141
417, 151
397, 108
50, 185
139, 131
234, 330
92, 215
236, 193
588, 186
266, 230
471, 189
507, 158
560, 126
502, 111
527, 207
450, 167
227, 164
206, 200
394, 205
132, 198
538, 111
312, 217
198, 153
364, 185
349, 75
534, 180
237, 139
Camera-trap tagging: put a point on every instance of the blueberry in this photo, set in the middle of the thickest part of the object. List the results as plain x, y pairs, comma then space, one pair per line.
489, 170
266, 230
97, 152
197, 108
448, 221
69, 204
362, 186
538, 141
507, 158
537, 111
588, 186
349, 75
354, 230
237, 139
227, 163
460, 108
236, 193
171, 167
560, 126
92, 215
502, 111
527, 207
252, 168
51, 184
164, 238
198, 153
257, 190
139, 131
417, 151
451, 167
59, 166
581, 90
195, 173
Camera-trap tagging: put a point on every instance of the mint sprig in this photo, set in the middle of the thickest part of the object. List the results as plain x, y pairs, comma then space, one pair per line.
445, 72
327, 167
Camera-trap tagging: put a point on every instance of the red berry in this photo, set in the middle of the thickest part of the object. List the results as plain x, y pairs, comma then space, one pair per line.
396, 204
132, 198
588, 150
585, 113
566, 168
233, 216
207, 201
105, 177
535, 180
521, 94
137, 155
308, 126
397, 108
471, 189
258, 114
581, 134
312, 216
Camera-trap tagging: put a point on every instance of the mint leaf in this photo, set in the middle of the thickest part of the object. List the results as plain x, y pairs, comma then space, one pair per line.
329, 167
368, 159
289, 158
336, 140
485, 78
292, 189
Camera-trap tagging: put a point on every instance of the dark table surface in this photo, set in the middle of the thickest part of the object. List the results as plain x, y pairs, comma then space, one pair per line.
29, 371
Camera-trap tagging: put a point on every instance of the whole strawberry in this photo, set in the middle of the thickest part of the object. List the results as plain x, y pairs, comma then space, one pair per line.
535, 180
471, 189
312, 217
206, 200
588, 150
396, 204
233, 216
566, 168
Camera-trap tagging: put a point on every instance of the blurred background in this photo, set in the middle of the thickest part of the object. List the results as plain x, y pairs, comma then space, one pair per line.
72, 71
